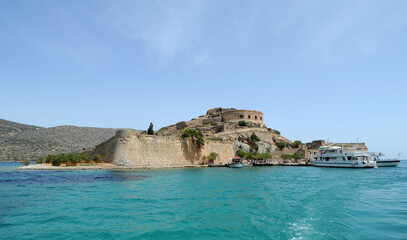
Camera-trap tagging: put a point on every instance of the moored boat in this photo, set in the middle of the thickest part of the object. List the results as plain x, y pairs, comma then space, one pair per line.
385, 162
344, 157
236, 162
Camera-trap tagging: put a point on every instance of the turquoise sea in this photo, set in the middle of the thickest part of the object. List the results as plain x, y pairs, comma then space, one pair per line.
208, 203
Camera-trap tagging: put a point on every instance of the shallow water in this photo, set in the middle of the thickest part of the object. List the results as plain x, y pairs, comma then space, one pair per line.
208, 203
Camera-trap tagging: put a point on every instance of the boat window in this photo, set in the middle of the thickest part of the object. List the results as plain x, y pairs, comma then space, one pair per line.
349, 158
344, 159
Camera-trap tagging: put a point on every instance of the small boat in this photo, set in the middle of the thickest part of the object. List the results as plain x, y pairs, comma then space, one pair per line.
236, 162
385, 162
344, 157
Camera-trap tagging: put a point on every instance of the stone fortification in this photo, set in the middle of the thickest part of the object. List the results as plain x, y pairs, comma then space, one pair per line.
232, 115
219, 128
140, 150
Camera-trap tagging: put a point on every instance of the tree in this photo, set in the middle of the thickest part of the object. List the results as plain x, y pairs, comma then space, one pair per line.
254, 138
150, 130
297, 156
285, 156
196, 135
240, 153
281, 145
297, 144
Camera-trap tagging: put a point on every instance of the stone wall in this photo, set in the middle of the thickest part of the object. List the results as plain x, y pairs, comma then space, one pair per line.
141, 150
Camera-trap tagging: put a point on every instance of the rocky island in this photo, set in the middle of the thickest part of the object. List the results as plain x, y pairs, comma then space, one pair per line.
210, 139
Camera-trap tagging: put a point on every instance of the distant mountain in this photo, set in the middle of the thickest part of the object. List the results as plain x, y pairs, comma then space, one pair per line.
20, 141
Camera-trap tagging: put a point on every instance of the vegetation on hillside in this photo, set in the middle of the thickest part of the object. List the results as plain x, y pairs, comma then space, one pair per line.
254, 138
242, 123
281, 145
296, 144
195, 135
255, 156
276, 132
296, 156
211, 157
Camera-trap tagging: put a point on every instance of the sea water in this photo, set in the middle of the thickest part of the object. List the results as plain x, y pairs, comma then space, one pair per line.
206, 203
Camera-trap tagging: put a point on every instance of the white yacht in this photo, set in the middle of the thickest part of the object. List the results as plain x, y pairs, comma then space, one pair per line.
345, 157
385, 162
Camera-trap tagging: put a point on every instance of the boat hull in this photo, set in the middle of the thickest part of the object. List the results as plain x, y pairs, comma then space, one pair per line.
236, 165
387, 163
343, 165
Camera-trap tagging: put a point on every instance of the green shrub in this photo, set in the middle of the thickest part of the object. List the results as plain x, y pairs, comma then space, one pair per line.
26, 162
56, 162
285, 156
242, 123
276, 132
49, 158
212, 157
297, 156
240, 153
296, 144
161, 130
150, 130
41, 160
281, 145
97, 158
254, 138
214, 124
249, 155
262, 156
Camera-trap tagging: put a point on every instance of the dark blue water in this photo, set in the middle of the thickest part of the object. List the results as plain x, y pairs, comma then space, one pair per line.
212, 203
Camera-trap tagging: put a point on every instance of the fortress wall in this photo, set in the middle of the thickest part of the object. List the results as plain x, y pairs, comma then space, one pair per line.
140, 150
246, 115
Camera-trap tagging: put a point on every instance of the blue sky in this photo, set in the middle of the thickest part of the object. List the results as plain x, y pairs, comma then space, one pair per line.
317, 69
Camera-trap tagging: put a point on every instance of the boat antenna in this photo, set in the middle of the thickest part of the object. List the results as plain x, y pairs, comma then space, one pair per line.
399, 155
357, 143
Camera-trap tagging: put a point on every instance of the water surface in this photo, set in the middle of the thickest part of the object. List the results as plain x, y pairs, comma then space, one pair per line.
211, 203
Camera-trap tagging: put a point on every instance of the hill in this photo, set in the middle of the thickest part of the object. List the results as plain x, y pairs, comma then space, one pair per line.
20, 141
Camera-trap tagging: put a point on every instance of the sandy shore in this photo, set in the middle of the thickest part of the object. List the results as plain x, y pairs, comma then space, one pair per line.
99, 166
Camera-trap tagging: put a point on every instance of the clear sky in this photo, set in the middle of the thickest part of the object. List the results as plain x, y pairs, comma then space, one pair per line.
317, 69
